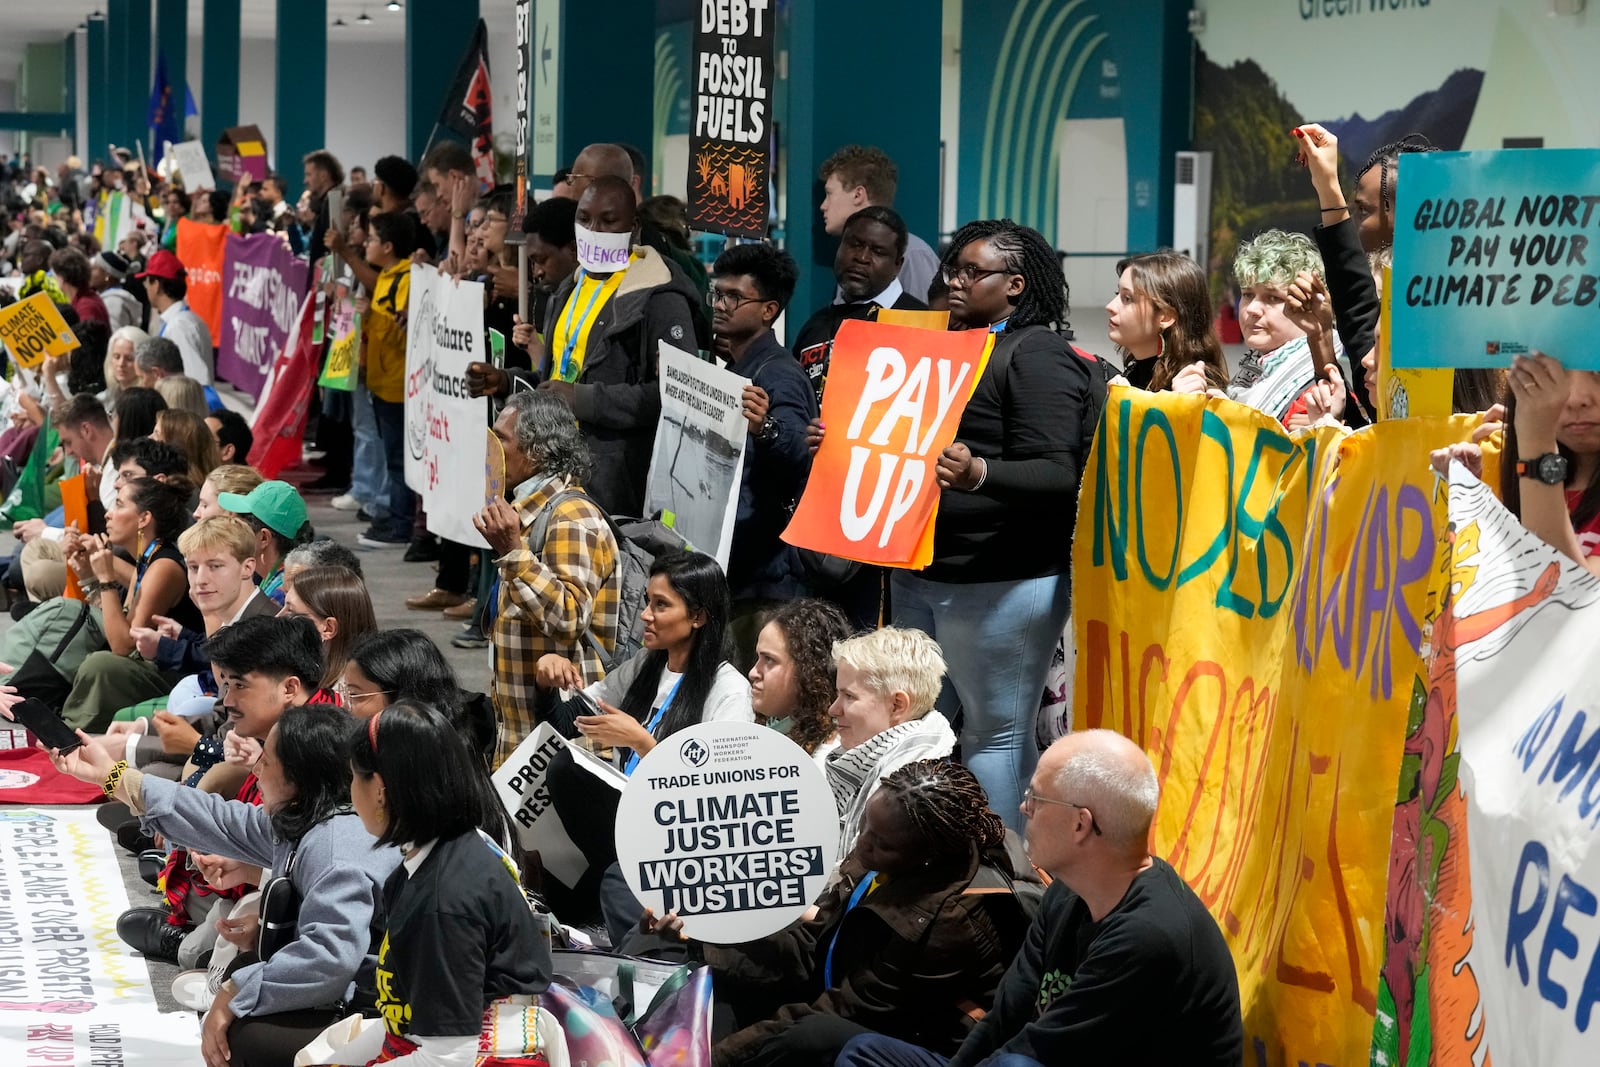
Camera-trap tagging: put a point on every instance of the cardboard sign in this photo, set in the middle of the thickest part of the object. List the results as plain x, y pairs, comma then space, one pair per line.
189, 159
242, 154
698, 459
732, 826
444, 423
730, 136
33, 330
921, 320
494, 469
893, 401
521, 782
1496, 254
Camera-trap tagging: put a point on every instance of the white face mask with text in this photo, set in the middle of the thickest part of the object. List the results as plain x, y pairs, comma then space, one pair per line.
602, 253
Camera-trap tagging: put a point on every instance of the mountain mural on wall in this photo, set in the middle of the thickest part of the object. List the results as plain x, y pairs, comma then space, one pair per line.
1244, 118
1443, 115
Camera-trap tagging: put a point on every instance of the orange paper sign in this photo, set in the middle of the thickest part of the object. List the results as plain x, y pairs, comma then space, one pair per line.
201, 249
894, 398
75, 508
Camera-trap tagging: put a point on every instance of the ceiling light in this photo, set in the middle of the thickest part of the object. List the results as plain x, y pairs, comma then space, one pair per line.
365, 19
393, 5
337, 23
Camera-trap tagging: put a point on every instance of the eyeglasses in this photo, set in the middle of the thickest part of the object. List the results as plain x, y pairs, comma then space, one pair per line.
729, 299
1030, 798
353, 695
967, 274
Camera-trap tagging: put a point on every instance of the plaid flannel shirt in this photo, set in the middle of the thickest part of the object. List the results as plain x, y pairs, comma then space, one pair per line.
550, 595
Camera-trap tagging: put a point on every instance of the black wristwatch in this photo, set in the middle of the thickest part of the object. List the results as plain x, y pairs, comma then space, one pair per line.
1550, 468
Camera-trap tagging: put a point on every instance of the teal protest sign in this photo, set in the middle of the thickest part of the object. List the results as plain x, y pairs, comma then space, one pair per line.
1496, 253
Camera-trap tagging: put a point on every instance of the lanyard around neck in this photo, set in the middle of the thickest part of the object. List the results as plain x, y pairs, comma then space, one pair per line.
655, 721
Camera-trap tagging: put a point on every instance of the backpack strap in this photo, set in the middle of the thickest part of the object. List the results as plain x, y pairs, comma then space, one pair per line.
72, 631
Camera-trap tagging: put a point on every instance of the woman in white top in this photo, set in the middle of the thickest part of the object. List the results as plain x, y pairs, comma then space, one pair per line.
681, 677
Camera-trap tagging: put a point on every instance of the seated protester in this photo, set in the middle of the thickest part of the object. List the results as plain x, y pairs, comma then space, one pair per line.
33, 264
1291, 345
228, 478
87, 436
887, 682
1160, 319
277, 512
916, 933
680, 677
555, 557
157, 357
872, 251
259, 663
303, 830
458, 932
219, 553
189, 434
44, 577
57, 629
386, 666
233, 434
146, 521
108, 273
141, 457
336, 602
71, 269
319, 552
136, 411
185, 394
1123, 963
750, 286
792, 682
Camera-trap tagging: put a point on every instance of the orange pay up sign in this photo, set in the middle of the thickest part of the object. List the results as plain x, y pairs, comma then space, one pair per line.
894, 398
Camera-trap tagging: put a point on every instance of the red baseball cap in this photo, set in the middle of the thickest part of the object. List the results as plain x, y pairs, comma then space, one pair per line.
162, 265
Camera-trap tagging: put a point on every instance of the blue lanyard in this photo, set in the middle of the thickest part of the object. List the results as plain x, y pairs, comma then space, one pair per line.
144, 565
655, 721
572, 306
855, 898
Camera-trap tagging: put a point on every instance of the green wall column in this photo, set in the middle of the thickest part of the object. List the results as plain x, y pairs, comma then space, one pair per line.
118, 87
99, 91
843, 88
437, 35
219, 74
137, 100
302, 87
618, 38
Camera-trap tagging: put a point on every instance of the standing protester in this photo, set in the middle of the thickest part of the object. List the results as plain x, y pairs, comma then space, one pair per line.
855, 177
108, 271
1160, 320
391, 238
166, 284
71, 268
751, 285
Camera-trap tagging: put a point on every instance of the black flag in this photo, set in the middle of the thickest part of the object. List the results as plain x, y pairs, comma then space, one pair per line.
467, 107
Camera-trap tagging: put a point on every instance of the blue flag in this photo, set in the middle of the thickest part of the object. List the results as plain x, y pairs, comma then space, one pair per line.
164, 116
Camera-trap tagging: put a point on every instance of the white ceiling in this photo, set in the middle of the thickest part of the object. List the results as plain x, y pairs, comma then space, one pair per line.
30, 21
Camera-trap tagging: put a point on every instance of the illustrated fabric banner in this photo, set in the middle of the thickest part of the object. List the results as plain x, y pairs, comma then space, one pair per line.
263, 284
1515, 663
71, 993
202, 249
730, 139
698, 460
444, 424
1277, 726
892, 404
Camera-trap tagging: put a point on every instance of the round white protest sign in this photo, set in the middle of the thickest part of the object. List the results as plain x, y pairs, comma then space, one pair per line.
732, 826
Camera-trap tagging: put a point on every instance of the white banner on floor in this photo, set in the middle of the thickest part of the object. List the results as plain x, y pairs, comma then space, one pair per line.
71, 993
445, 439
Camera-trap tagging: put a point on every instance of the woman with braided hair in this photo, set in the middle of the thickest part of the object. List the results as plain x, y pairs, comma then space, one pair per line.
914, 937
997, 594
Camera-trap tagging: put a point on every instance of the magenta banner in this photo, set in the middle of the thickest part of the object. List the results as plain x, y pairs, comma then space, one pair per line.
262, 286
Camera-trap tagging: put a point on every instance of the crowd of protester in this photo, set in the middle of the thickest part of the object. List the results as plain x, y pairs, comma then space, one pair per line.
251, 723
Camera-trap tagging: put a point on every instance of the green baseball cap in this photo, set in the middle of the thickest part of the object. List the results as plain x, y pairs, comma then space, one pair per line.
277, 504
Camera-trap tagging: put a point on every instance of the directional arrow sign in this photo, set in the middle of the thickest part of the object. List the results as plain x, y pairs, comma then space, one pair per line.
546, 131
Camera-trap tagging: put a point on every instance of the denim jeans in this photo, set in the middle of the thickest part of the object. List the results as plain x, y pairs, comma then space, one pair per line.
391, 420
875, 1050
998, 639
369, 473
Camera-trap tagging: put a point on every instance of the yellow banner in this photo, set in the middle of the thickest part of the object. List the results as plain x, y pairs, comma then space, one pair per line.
1250, 607
33, 330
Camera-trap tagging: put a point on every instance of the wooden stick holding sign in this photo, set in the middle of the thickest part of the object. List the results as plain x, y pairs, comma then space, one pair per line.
34, 330
894, 398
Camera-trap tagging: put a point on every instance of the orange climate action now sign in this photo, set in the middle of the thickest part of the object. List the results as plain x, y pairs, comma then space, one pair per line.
892, 404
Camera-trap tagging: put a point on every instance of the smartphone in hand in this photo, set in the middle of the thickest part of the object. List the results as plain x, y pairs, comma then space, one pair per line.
46, 725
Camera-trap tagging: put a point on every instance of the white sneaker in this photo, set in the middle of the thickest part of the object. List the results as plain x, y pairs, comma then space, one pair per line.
345, 502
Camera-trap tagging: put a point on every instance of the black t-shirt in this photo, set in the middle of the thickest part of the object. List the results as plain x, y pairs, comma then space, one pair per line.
460, 934
813, 345
1151, 983
1031, 418
1140, 372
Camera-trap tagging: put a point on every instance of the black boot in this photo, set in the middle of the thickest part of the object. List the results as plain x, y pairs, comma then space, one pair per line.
147, 930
